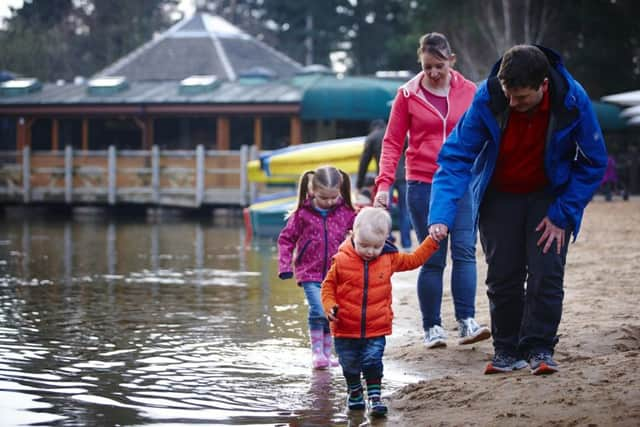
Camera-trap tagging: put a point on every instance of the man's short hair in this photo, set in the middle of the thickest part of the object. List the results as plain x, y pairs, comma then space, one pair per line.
373, 221
523, 66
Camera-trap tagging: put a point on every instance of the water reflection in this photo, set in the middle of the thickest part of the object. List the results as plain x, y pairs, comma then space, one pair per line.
167, 322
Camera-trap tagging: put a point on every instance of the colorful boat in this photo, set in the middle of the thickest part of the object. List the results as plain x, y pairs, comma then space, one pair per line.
286, 164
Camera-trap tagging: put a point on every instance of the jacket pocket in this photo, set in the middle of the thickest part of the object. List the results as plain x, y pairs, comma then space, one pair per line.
302, 251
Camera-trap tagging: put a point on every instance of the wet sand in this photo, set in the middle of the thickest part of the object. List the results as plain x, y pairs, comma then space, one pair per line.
598, 352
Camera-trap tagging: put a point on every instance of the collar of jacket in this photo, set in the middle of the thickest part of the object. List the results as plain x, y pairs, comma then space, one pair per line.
558, 92
413, 85
308, 204
388, 247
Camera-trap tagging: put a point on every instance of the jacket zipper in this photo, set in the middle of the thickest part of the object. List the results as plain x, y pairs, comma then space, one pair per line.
365, 290
326, 247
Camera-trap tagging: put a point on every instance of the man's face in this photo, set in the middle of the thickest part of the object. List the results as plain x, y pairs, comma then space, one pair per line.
525, 99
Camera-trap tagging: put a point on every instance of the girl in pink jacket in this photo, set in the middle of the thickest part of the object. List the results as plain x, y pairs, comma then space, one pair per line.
312, 235
427, 108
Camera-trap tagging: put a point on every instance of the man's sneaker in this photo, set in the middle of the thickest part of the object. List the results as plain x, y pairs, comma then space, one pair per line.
377, 408
542, 364
471, 332
355, 402
435, 337
502, 362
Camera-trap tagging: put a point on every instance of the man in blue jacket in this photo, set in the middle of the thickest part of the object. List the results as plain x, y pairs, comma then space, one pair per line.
532, 150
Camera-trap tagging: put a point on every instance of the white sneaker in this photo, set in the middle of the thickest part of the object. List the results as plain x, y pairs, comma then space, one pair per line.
435, 337
471, 332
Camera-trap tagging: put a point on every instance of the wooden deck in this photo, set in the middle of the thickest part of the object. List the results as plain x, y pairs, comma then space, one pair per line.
178, 178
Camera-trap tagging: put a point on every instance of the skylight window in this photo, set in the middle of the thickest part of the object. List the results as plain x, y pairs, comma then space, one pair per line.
198, 84
107, 85
20, 86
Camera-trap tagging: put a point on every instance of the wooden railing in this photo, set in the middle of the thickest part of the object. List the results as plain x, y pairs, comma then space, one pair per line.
186, 178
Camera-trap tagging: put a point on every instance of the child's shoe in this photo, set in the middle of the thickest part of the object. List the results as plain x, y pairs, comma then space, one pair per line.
318, 359
355, 401
327, 345
376, 407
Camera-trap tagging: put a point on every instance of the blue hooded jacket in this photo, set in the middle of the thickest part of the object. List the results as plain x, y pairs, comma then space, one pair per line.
575, 156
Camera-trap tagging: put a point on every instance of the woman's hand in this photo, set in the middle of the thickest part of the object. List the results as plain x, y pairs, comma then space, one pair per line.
381, 200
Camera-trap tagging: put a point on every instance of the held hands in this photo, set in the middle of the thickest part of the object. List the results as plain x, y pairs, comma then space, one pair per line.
333, 314
381, 200
438, 232
550, 233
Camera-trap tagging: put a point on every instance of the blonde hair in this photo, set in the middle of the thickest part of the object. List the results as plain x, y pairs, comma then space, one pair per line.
326, 177
372, 221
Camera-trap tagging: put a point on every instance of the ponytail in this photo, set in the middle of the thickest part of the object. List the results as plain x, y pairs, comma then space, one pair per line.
345, 188
303, 190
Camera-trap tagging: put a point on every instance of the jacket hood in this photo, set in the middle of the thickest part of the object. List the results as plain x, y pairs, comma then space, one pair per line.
562, 94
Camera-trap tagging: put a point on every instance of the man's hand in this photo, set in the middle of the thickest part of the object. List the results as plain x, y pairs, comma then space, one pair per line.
438, 232
550, 233
381, 200
333, 314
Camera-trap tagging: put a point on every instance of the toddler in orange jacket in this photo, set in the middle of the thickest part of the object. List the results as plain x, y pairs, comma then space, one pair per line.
356, 294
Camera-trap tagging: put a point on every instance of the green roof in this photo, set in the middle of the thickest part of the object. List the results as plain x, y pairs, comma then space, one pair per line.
609, 116
348, 98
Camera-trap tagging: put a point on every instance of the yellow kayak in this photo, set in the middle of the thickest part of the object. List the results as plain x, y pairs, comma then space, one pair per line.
287, 164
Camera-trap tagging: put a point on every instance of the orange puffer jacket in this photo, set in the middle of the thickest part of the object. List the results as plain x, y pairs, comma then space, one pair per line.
362, 289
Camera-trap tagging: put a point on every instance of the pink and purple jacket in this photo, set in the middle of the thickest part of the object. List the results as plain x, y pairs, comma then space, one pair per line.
427, 128
314, 239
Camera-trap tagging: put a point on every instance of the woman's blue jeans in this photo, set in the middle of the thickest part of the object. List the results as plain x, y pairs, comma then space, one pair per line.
317, 318
463, 256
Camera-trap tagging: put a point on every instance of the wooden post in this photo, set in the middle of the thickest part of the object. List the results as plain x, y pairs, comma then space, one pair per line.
257, 132
244, 159
26, 174
155, 174
254, 154
200, 165
222, 131
112, 174
55, 134
21, 133
68, 173
148, 133
295, 134
85, 134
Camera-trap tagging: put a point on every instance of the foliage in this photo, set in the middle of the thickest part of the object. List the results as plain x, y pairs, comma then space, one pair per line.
53, 39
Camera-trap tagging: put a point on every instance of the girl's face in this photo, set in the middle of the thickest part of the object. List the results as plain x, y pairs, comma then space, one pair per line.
368, 245
436, 69
325, 198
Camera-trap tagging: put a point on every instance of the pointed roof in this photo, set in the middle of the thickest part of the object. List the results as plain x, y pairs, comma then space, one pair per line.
201, 44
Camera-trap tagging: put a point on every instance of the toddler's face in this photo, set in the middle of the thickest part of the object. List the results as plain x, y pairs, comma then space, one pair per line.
368, 245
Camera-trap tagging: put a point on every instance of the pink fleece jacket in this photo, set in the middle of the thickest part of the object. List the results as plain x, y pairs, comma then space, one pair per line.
412, 113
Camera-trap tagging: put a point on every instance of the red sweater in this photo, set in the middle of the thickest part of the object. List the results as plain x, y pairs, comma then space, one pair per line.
411, 112
520, 166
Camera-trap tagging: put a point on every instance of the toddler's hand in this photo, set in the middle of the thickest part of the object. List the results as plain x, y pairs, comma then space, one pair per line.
333, 314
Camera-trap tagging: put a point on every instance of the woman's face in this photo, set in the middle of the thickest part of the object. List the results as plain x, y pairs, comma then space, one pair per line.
436, 69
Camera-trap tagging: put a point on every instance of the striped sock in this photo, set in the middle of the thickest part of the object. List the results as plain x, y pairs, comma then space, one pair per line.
374, 388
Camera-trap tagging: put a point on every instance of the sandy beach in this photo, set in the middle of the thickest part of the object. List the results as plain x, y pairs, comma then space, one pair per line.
598, 352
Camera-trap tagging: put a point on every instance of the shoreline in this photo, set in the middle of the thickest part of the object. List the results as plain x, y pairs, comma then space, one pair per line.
598, 351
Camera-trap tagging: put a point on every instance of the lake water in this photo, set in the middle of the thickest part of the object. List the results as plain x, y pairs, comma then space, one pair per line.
155, 322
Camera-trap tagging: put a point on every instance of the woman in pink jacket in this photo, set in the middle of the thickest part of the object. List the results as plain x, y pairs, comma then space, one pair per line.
428, 107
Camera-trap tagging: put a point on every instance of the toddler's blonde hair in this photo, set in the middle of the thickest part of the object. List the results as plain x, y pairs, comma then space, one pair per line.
373, 222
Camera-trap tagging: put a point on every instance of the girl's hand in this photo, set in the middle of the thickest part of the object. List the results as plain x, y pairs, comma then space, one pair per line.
333, 314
